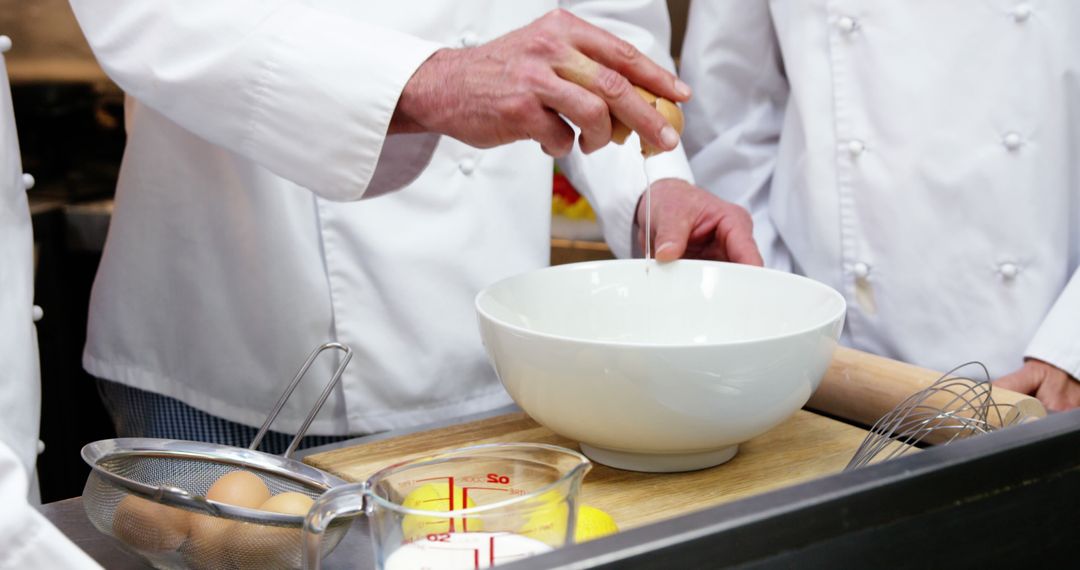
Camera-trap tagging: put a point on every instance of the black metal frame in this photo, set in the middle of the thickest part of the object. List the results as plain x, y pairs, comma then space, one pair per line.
1006, 499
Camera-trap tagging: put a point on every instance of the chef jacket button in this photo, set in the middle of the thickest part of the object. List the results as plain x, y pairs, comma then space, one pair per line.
37, 313
861, 270
5, 44
40, 447
856, 147
1021, 13
470, 40
847, 24
27, 180
467, 166
1011, 140
1008, 270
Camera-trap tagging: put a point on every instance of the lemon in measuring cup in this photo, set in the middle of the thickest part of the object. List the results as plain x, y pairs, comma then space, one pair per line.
436, 497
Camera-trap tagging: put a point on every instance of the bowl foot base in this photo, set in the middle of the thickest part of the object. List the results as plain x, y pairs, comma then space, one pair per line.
659, 462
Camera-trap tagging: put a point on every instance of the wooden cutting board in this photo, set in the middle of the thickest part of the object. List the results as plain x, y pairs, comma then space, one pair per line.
805, 447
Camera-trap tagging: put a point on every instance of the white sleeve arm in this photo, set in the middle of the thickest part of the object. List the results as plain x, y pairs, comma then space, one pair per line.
303, 92
612, 178
732, 60
27, 540
1058, 339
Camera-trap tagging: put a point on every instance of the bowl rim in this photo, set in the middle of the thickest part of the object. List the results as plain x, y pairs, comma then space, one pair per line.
583, 265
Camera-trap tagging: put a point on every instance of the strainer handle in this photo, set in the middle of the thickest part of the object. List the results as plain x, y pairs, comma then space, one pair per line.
318, 405
345, 500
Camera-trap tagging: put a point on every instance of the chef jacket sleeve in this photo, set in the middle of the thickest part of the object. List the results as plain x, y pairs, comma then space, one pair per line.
1058, 339
303, 92
27, 540
731, 58
612, 178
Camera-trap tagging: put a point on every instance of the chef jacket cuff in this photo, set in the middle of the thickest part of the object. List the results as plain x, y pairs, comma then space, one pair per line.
1058, 339
323, 105
403, 158
670, 165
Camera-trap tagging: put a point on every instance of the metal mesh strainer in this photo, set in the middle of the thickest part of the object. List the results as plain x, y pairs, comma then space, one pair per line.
150, 494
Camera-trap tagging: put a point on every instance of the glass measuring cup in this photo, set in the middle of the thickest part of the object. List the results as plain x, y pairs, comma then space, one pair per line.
469, 508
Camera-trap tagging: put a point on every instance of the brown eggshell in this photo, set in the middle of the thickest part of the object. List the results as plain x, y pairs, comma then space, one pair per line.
289, 503
209, 542
670, 111
619, 131
240, 488
150, 526
264, 546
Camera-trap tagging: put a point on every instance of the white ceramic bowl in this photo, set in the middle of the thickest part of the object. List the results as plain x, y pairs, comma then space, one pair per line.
667, 370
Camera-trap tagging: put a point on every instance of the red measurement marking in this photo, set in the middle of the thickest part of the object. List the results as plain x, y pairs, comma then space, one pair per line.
465, 503
450, 487
491, 548
499, 479
476, 558
450, 484
465, 500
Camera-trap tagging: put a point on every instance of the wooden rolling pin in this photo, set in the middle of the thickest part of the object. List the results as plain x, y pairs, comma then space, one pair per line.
862, 387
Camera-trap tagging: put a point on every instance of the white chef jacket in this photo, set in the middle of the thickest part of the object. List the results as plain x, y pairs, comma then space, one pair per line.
20, 384
237, 241
918, 156
27, 540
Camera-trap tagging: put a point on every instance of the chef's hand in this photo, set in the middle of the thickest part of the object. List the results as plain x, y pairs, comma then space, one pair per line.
1051, 385
688, 222
517, 86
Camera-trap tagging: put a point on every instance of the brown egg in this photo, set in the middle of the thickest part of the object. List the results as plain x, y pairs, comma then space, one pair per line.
209, 542
671, 112
667, 109
211, 539
240, 488
150, 526
288, 504
264, 546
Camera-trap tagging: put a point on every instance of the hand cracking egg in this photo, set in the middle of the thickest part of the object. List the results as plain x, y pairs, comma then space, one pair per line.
670, 111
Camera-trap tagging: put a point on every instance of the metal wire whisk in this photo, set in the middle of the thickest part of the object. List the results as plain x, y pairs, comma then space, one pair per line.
953, 407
